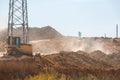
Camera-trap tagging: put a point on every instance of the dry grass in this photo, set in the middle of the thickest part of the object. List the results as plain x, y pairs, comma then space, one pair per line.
86, 75
14, 69
46, 76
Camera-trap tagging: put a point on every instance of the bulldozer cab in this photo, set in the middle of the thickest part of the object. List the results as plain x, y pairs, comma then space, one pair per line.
14, 41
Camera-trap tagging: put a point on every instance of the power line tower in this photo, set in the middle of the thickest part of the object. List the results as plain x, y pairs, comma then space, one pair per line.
18, 17
79, 34
116, 30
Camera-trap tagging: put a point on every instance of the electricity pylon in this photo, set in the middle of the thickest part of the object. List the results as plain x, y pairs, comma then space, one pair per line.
18, 17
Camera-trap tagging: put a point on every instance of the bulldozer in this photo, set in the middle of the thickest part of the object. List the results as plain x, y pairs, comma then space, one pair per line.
16, 48
18, 18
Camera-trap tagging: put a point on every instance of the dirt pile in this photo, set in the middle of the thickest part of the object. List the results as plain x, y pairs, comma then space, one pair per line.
111, 59
44, 33
35, 33
98, 55
75, 60
80, 61
72, 64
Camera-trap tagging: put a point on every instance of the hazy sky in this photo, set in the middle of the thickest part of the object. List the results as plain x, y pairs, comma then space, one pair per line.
91, 17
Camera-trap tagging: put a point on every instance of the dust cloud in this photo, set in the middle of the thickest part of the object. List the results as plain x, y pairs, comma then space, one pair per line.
74, 44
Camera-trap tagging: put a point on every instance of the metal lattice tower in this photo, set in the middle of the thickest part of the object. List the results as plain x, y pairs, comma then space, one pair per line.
116, 30
18, 17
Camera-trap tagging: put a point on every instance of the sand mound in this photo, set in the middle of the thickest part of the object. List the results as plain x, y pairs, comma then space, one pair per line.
75, 60
97, 54
44, 33
35, 33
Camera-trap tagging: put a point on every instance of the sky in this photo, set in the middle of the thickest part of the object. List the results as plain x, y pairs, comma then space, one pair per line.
90, 17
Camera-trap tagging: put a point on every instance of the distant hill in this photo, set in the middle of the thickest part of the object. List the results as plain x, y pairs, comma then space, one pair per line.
35, 33
44, 33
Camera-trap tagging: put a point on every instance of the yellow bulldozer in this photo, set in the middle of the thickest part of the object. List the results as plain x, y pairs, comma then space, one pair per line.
15, 47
